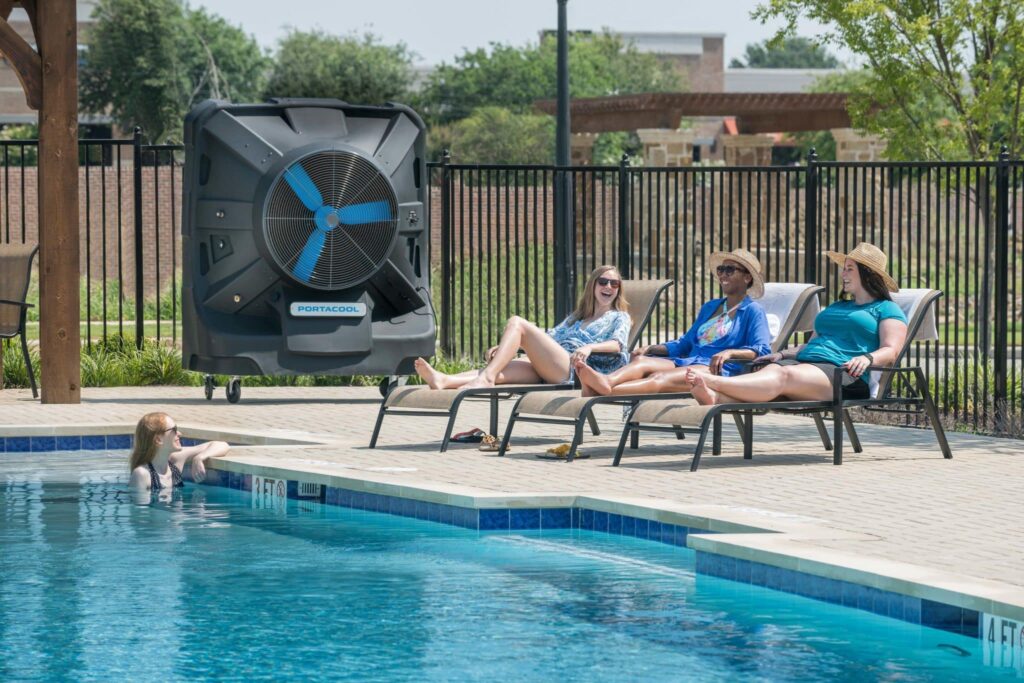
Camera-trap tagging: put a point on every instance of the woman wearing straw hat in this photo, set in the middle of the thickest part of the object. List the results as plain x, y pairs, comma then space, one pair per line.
864, 328
732, 327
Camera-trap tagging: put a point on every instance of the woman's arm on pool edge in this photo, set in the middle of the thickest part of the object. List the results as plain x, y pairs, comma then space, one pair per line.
198, 455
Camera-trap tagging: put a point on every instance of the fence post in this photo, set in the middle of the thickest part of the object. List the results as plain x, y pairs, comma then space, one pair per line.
811, 219
565, 251
137, 212
625, 233
447, 256
1001, 289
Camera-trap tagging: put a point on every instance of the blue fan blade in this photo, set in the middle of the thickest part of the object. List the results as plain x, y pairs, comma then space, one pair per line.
304, 187
370, 212
310, 255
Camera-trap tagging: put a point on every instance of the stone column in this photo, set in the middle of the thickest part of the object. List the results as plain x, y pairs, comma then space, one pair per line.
581, 149
665, 147
747, 150
854, 146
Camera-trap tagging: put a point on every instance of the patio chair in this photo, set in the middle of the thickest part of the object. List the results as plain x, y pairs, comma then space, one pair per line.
689, 417
15, 272
790, 308
426, 402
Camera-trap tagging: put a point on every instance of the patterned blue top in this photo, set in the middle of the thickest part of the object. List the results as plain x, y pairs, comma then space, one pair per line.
749, 330
572, 334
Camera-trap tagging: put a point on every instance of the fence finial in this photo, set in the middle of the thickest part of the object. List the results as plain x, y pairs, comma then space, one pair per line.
1004, 153
446, 156
625, 159
812, 155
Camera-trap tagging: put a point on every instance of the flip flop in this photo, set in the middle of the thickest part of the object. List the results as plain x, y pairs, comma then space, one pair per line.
474, 435
561, 452
492, 443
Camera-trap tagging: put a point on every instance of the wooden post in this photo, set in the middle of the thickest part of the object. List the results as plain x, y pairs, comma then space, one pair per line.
59, 333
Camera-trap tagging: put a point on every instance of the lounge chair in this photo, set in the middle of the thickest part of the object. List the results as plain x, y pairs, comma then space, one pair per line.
790, 308
423, 401
15, 273
689, 417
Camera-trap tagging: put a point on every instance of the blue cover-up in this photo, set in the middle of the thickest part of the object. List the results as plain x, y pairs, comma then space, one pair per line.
572, 334
711, 334
847, 329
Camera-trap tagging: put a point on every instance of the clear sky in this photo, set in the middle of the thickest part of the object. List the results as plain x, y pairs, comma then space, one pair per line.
438, 30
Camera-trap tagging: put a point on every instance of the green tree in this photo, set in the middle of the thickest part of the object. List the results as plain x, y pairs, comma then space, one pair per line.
515, 77
943, 81
497, 135
356, 69
149, 61
792, 52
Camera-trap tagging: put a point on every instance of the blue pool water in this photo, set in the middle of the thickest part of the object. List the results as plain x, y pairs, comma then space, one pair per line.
96, 585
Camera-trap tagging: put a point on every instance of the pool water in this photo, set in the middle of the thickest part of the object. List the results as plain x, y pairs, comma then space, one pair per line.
98, 585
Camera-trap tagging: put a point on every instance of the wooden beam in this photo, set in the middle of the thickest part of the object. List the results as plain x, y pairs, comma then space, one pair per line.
31, 9
59, 335
25, 62
5, 8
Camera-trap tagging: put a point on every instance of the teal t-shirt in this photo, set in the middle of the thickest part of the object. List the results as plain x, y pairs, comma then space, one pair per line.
846, 329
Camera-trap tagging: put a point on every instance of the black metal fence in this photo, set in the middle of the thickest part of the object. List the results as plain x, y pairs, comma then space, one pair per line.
951, 226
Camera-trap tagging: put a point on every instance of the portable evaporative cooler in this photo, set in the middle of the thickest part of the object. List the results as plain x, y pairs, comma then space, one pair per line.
304, 240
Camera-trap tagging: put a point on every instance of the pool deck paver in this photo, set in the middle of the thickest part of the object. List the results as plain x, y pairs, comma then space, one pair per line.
898, 502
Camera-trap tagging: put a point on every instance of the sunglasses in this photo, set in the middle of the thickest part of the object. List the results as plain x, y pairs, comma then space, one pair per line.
729, 270
607, 282
172, 429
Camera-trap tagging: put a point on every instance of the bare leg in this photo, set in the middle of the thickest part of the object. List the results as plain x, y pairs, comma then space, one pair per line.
798, 382
668, 382
549, 360
607, 384
516, 372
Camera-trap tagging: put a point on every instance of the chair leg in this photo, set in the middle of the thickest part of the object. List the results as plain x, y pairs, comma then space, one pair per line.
741, 428
493, 431
819, 422
627, 430
837, 435
748, 437
594, 428
708, 421
28, 365
933, 414
449, 427
716, 438
577, 438
634, 439
854, 439
376, 427
508, 432
680, 434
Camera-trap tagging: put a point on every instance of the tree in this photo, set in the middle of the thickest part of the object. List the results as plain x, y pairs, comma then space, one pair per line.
149, 61
352, 68
497, 135
791, 52
944, 80
515, 77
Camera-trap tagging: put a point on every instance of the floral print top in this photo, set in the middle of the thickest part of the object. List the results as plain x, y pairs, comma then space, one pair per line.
572, 334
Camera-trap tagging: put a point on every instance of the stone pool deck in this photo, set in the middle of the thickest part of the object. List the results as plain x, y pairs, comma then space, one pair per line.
898, 510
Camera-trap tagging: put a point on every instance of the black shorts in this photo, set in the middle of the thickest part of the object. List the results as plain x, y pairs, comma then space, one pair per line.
854, 388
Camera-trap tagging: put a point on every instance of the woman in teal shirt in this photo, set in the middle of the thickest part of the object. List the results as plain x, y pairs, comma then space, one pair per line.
866, 328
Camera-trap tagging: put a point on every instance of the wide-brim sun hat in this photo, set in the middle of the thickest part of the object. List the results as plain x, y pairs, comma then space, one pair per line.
869, 256
748, 261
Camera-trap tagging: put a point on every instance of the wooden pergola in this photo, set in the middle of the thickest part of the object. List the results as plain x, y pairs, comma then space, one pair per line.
49, 76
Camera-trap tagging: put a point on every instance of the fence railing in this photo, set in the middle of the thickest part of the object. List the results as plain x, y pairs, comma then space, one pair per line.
950, 226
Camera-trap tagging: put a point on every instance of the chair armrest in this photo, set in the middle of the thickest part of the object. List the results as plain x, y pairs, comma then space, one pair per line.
21, 304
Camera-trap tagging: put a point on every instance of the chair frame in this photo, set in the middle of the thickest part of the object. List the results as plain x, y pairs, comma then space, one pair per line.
919, 401
498, 392
23, 323
586, 413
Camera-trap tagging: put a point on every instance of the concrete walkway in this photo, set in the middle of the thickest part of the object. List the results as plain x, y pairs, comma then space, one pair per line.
898, 503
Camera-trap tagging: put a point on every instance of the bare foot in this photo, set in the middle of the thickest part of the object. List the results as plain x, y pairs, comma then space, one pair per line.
700, 390
589, 377
433, 378
481, 382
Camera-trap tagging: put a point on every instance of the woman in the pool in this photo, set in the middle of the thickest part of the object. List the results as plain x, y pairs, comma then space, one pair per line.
158, 458
864, 328
732, 327
600, 324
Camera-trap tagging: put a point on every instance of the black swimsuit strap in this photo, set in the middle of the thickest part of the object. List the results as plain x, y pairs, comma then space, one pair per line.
155, 485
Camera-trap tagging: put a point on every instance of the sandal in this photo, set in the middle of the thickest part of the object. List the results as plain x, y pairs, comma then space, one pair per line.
492, 443
474, 435
561, 452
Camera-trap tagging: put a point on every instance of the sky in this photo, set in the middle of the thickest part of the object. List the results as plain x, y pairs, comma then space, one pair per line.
438, 30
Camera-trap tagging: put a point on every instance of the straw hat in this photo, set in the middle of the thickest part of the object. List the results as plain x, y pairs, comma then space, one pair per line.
869, 256
748, 261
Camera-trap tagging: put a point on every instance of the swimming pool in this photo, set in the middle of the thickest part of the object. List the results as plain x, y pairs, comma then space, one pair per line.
94, 585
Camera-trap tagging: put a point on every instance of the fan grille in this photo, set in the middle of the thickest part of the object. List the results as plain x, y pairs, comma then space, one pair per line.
351, 251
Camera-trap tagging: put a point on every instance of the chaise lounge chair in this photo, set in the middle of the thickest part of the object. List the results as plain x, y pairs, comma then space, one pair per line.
790, 308
15, 274
689, 417
423, 401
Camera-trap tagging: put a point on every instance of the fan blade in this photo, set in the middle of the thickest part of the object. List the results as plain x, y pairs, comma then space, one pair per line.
304, 187
370, 212
310, 255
